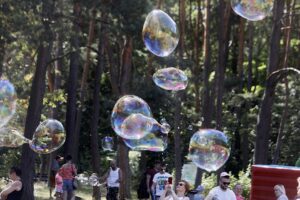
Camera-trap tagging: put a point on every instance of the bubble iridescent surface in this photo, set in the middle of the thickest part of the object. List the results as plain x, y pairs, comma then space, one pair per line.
10, 137
126, 106
209, 149
8, 99
48, 137
94, 180
83, 179
170, 79
160, 33
107, 143
151, 142
252, 10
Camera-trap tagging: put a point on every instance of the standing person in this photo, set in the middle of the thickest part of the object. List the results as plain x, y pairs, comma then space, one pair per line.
113, 179
68, 173
221, 192
182, 189
59, 186
298, 189
150, 175
279, 191
160, 179
14, 190
238, 190
53, 171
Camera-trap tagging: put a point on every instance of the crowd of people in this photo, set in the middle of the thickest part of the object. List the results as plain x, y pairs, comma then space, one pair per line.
156, 185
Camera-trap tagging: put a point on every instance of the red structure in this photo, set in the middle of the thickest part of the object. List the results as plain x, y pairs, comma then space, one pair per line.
265, 177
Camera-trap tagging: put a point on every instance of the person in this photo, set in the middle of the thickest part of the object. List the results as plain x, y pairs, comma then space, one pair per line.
182, 189
298, 189
238, 190
150, 175
14, 190
68, 172
199, 190
54, 169
113, 179
58, 186
142, 192
159, 181
279, 191
221, 192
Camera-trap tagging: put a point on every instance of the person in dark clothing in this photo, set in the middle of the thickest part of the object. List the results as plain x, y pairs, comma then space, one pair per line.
14, 190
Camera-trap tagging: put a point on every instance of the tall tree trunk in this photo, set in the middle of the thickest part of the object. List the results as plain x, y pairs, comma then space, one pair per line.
181, 27
265, 114
287, 40
83, 88
241, 52
72, 83
126, 77
224, 13
250, 53
177, 141
2, 53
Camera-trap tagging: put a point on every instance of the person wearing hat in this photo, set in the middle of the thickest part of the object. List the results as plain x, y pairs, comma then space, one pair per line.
222, 192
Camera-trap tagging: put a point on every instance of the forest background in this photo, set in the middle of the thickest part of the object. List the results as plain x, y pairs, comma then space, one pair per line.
72, 60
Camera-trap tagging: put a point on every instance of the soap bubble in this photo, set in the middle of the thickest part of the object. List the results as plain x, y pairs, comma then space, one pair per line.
189, 172
48, 137
137, 126
160, 33
94, 180
170, 79
151, 142
8, 99
107, 143
252, 10
190, 127
209, 149
125, 106
10, 137
83, 179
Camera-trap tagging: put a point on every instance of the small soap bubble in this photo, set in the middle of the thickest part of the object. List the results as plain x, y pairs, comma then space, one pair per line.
8, 98
209, 149
126, 106
190, 127
48, 137
252, 10
107, 143
170, 79
160, 33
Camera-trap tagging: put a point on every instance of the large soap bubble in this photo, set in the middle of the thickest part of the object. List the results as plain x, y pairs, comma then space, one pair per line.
8, 99
160, 33
170, 79
48, 137
125, 106
151, 142
10, 137
252, 10
137, 126
209, 149
107, 143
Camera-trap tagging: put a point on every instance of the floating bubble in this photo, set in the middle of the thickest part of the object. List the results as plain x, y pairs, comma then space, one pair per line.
160, 33
83, 179
94, 180
252, 10
126, 106
170, 79
190, 127
8, 99
151, 142
10, 137
48, 137
107, 143
189, 172
209, 149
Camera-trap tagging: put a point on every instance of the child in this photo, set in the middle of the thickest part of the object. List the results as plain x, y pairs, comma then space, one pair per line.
58, 186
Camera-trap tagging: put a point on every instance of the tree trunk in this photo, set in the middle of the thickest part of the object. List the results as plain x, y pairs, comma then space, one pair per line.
287, 40
250, 53
181, 27
241, 53
72, 84
264, 118
177, 141
224, 13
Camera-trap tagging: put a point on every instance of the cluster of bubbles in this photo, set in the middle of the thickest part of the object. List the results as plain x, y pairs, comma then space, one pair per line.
252, 10
132, 120
209, 149
85, 179
107, 143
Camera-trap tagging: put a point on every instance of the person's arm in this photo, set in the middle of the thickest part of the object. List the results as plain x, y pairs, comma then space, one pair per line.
16, 186
153, 183
163, 195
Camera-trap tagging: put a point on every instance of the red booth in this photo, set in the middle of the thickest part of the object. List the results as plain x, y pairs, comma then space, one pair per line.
265, 177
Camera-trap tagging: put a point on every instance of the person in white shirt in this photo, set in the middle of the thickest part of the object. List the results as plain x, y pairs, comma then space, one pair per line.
279, 191
160, 179
113, 179
222, 192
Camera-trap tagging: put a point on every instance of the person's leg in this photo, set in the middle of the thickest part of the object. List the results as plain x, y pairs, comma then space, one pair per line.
108, 194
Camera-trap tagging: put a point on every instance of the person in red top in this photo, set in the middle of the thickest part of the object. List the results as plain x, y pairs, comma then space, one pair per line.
68, 172
238, 190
